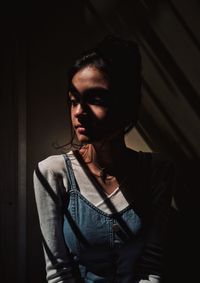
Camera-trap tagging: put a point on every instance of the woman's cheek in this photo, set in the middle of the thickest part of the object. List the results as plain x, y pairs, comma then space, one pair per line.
99, 112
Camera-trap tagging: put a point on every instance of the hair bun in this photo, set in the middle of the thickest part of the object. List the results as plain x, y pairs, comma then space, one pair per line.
117, 50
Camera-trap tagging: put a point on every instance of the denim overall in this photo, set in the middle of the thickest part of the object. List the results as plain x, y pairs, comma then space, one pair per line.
93, 236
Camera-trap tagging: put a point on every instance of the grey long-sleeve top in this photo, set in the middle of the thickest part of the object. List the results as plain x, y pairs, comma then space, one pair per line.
52, 173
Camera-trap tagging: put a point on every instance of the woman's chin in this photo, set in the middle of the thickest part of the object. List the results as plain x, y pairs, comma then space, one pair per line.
83, 139
86, 140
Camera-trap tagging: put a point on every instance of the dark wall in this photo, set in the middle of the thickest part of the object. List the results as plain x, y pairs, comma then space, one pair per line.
8, 170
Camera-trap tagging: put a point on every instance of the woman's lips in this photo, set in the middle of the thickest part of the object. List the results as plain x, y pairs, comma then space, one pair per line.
81, 129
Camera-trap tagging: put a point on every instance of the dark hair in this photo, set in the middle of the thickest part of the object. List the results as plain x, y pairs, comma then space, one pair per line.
120, 61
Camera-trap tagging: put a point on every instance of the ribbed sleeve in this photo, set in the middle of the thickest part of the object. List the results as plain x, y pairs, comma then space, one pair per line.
47, 188
162, 186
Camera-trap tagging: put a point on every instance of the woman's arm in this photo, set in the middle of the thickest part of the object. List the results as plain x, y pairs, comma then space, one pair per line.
163, 182
59, 265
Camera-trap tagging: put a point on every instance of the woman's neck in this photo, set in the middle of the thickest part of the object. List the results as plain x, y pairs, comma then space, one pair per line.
105, 155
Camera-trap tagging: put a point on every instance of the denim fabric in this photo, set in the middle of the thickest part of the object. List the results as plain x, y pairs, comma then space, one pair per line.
97, 235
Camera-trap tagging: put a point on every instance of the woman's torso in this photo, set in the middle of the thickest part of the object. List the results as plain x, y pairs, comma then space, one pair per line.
95, 237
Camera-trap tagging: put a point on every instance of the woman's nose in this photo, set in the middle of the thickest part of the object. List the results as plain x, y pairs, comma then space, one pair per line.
79, 110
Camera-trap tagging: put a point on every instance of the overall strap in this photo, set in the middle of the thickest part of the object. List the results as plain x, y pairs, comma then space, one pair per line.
70, 173
71, 217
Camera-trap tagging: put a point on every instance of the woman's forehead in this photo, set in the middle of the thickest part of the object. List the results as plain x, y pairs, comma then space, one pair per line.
89, 76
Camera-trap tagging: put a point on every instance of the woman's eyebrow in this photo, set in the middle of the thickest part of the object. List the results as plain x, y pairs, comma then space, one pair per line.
73, 91
96, 89
101, 91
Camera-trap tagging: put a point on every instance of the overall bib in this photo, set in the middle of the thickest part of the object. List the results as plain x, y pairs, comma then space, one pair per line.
99, 242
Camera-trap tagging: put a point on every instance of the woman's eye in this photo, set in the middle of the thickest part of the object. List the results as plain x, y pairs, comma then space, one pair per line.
98, 96
95, 101
73, 102
100, 101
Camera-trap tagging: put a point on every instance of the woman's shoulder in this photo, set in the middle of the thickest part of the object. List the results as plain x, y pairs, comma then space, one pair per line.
157, 159
52, 164
163, 162
50, 176
55, 164
159, 167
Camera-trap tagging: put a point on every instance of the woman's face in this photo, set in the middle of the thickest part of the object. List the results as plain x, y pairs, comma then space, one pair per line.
91, 111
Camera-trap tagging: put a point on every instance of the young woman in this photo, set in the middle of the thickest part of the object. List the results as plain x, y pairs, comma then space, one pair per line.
103, 208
